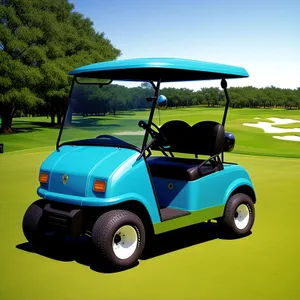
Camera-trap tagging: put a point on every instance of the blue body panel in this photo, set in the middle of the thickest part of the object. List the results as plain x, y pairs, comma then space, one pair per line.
128, 179
83, 164
206, 192
142, 65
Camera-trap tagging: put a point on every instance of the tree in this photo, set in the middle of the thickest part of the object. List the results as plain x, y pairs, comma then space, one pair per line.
41, 41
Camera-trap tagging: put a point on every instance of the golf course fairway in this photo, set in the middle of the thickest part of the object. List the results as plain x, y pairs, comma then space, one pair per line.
264, 265
189, 264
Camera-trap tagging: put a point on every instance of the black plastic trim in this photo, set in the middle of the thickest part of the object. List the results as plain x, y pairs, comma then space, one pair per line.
156, 89
64, 115
153, 187
187, 169
224, 87
70, 222
171, 213
114, 145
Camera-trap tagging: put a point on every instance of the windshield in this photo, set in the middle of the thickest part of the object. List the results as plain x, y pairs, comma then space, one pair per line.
108, 115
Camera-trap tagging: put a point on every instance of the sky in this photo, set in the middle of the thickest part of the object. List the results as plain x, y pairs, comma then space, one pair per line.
261, 36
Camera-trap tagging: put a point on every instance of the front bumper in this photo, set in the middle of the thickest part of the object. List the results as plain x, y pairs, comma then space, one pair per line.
66, 221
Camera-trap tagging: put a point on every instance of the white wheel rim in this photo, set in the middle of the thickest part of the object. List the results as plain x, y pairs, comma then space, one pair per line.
242, 216
124, 242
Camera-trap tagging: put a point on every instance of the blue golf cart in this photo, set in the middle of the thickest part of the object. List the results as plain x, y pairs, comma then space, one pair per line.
119, 178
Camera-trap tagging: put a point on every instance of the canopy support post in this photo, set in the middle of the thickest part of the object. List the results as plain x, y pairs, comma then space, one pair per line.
156, 88
65, 113
224, 87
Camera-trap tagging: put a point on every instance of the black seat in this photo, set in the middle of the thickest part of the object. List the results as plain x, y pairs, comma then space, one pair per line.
176, 133
187, 169
203, 138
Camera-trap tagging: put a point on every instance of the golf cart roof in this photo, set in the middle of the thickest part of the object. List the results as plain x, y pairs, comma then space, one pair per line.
163, 69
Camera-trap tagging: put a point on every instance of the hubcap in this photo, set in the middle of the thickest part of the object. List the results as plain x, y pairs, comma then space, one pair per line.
124, 242
241, 216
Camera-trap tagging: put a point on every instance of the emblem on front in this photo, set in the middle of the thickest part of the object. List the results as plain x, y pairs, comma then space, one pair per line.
65, 179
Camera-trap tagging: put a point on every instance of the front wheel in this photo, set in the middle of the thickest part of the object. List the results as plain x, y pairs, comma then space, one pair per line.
119, 236
34, 228
239, 215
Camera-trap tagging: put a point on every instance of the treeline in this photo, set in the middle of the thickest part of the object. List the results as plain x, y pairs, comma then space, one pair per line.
91, 100
42, 40
113, 98
240, 97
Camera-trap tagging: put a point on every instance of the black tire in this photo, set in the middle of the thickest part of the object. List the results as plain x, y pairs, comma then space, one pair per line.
239, 216
34, 229
105, 233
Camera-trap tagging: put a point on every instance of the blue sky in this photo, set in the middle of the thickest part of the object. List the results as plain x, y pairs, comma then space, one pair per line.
261, 36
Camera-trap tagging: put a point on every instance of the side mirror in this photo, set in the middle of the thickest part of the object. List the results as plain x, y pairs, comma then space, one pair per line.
229, 142
162, 102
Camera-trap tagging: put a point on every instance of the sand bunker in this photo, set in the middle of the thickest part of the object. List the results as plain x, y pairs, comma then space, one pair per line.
288, 138
130, 133
278, 121
268, 128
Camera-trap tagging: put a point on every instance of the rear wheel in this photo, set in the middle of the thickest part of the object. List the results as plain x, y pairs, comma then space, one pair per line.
34, 228
239, 215
119, 236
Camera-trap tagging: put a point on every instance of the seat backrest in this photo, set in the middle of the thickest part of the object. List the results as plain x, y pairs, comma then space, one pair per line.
176, 133
203, 138
208, 138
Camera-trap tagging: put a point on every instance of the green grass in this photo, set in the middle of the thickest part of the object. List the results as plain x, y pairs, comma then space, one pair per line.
35, 132
29, 133
264, 265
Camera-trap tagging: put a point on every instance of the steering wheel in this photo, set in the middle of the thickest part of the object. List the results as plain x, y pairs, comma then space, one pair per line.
145, 126
110, 137
158, 136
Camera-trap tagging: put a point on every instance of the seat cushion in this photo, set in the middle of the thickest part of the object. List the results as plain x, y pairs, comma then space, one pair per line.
187, 169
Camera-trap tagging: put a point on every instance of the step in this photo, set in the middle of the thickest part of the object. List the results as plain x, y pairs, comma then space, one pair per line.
172, 213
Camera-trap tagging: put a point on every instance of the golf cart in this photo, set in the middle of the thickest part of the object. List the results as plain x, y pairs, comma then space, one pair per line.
121, 187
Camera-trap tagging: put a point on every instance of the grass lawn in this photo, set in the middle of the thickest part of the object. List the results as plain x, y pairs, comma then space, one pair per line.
36, 132
264, 265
